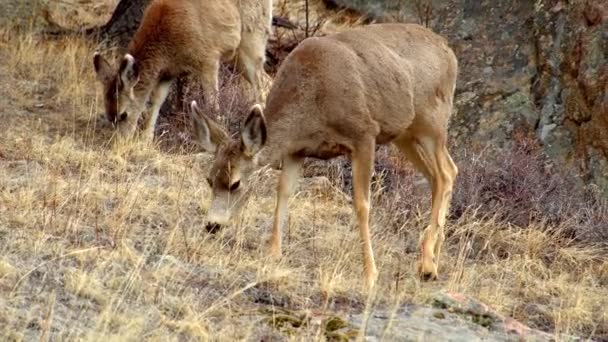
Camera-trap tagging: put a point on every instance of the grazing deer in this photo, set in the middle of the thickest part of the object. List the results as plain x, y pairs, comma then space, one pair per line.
341, 95
178, 37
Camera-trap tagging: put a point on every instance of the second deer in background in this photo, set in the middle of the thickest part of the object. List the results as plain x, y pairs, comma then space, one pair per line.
178, 37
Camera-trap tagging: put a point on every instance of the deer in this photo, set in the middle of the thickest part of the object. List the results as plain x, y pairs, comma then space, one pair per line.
344, 94
184, 37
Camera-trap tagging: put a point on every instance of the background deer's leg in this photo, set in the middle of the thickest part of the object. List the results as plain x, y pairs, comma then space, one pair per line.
158, 98
287, 185
363, 166
250, 62
210, 79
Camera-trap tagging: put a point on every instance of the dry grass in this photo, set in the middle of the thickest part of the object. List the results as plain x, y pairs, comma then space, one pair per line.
107, 242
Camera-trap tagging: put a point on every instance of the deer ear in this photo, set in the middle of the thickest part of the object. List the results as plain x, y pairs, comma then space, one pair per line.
102, 68
208, 134
253, 131
129, 73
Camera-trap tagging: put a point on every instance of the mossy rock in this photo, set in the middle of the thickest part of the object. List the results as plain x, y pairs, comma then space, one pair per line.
335, 336
289, 322
483, 320
334, 323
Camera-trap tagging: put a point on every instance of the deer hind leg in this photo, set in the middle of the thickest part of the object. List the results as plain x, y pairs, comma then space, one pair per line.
429, 155
287, 184
448, 172
250, 62
363, 165
158, 98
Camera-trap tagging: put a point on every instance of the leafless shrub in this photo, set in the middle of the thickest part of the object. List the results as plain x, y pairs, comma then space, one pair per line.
286, 39
174, 127
387, 10
424, 10
523, 187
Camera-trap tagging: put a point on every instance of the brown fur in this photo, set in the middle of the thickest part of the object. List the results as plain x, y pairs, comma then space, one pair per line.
347, 92
178, 37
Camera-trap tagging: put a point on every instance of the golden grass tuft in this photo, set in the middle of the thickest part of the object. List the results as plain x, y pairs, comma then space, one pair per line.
7, 271
85, 285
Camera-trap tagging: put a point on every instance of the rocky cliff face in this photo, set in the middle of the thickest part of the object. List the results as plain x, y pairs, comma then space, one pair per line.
532, 65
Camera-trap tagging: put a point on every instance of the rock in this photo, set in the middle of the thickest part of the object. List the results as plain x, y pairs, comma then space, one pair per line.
263, 294
545, 130
466, 97
466, 30
450, 317
599, 168
521, 107
558, 143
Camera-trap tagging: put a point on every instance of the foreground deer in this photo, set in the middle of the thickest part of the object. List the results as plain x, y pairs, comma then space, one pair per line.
178, 37
343, 94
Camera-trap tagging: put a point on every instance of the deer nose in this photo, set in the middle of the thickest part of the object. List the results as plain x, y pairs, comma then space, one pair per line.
219, 212
213, 227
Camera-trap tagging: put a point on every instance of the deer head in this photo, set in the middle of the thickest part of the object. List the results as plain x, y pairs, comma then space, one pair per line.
235, 160
122, 103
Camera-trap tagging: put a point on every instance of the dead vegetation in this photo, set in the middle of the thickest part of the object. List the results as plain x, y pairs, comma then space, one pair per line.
101, 242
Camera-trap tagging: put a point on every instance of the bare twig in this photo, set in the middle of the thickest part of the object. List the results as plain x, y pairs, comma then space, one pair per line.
307, 19
424, 10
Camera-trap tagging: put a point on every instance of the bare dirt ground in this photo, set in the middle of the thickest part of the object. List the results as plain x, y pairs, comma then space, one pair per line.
107, 242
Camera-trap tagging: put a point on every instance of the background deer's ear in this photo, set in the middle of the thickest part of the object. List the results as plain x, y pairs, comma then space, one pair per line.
129, 73
102, 68
253, 131
208, 134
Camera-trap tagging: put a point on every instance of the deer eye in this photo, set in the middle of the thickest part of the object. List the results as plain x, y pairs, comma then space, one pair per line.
235, 185
210, 182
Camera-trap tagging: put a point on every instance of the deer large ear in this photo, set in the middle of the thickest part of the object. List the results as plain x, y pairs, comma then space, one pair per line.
253, 131
102, 68
129, 74
208, 134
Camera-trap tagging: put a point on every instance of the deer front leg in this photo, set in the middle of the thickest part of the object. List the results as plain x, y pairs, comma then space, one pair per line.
287, 184
158, 98
363, 164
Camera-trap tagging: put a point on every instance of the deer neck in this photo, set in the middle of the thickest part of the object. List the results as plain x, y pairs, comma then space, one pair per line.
149, 73
276, 147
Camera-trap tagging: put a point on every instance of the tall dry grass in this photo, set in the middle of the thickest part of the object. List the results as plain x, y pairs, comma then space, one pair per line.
107, 242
